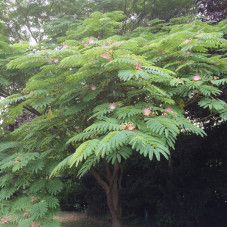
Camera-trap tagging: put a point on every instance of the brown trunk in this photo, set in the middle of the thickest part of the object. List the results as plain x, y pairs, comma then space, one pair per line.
116, 222
113, 204
111, 188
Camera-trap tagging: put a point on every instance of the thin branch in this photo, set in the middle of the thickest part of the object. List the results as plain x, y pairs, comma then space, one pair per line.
71, 148
192, 100
209, 116
32, 110
125, 7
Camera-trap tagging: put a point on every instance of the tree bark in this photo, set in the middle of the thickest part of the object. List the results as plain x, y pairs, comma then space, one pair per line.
113, 204
111, 188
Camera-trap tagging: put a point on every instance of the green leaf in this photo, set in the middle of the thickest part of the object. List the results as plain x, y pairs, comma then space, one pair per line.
39, 210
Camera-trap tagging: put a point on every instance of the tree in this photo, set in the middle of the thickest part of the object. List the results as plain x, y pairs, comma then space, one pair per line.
35, 20
101, 97
212, 9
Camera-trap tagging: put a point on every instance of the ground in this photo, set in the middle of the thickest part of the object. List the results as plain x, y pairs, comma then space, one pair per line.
71, 219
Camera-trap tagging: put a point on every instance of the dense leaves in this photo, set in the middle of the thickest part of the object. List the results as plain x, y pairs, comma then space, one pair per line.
100, 98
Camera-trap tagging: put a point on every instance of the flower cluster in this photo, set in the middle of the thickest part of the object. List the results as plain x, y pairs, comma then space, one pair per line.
35, 224
196, 78
138, 66
128, 126
169, 110
64, 47
4, 220
33, 199
112, 106
90, 41
107, 57
93, 87
25, 214
187, 40
146, 111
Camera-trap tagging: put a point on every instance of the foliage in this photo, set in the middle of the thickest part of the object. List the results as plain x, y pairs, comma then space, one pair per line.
35, 20
103, 97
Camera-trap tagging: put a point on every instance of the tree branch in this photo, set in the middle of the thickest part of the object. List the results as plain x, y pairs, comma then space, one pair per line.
192, 100
209, 116
108, 171
115, 173
32, 110
121, 175
101, 182
27, 21
71, 148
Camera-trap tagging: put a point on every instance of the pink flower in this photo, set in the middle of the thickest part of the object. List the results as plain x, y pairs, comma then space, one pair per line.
159, 53
169, 109
24, 214
91, 41
147, 112
112, 106
131, 127
196, 78
65, 46
187, 40
93, 87
34, 224
105, 56
180, 82
33, 199
138, 66
188, 52
123, 126
110, 59
56, 61
4, 220
15, 161
85, 44
104, 45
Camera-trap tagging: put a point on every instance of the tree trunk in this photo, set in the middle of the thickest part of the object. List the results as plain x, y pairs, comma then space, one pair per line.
113, 204
116, 222
111, 188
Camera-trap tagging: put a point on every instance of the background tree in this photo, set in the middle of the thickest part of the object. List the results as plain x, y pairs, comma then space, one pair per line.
213, 9
40, 20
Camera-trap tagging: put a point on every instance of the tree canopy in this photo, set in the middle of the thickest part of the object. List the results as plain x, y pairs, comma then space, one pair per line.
99, 94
